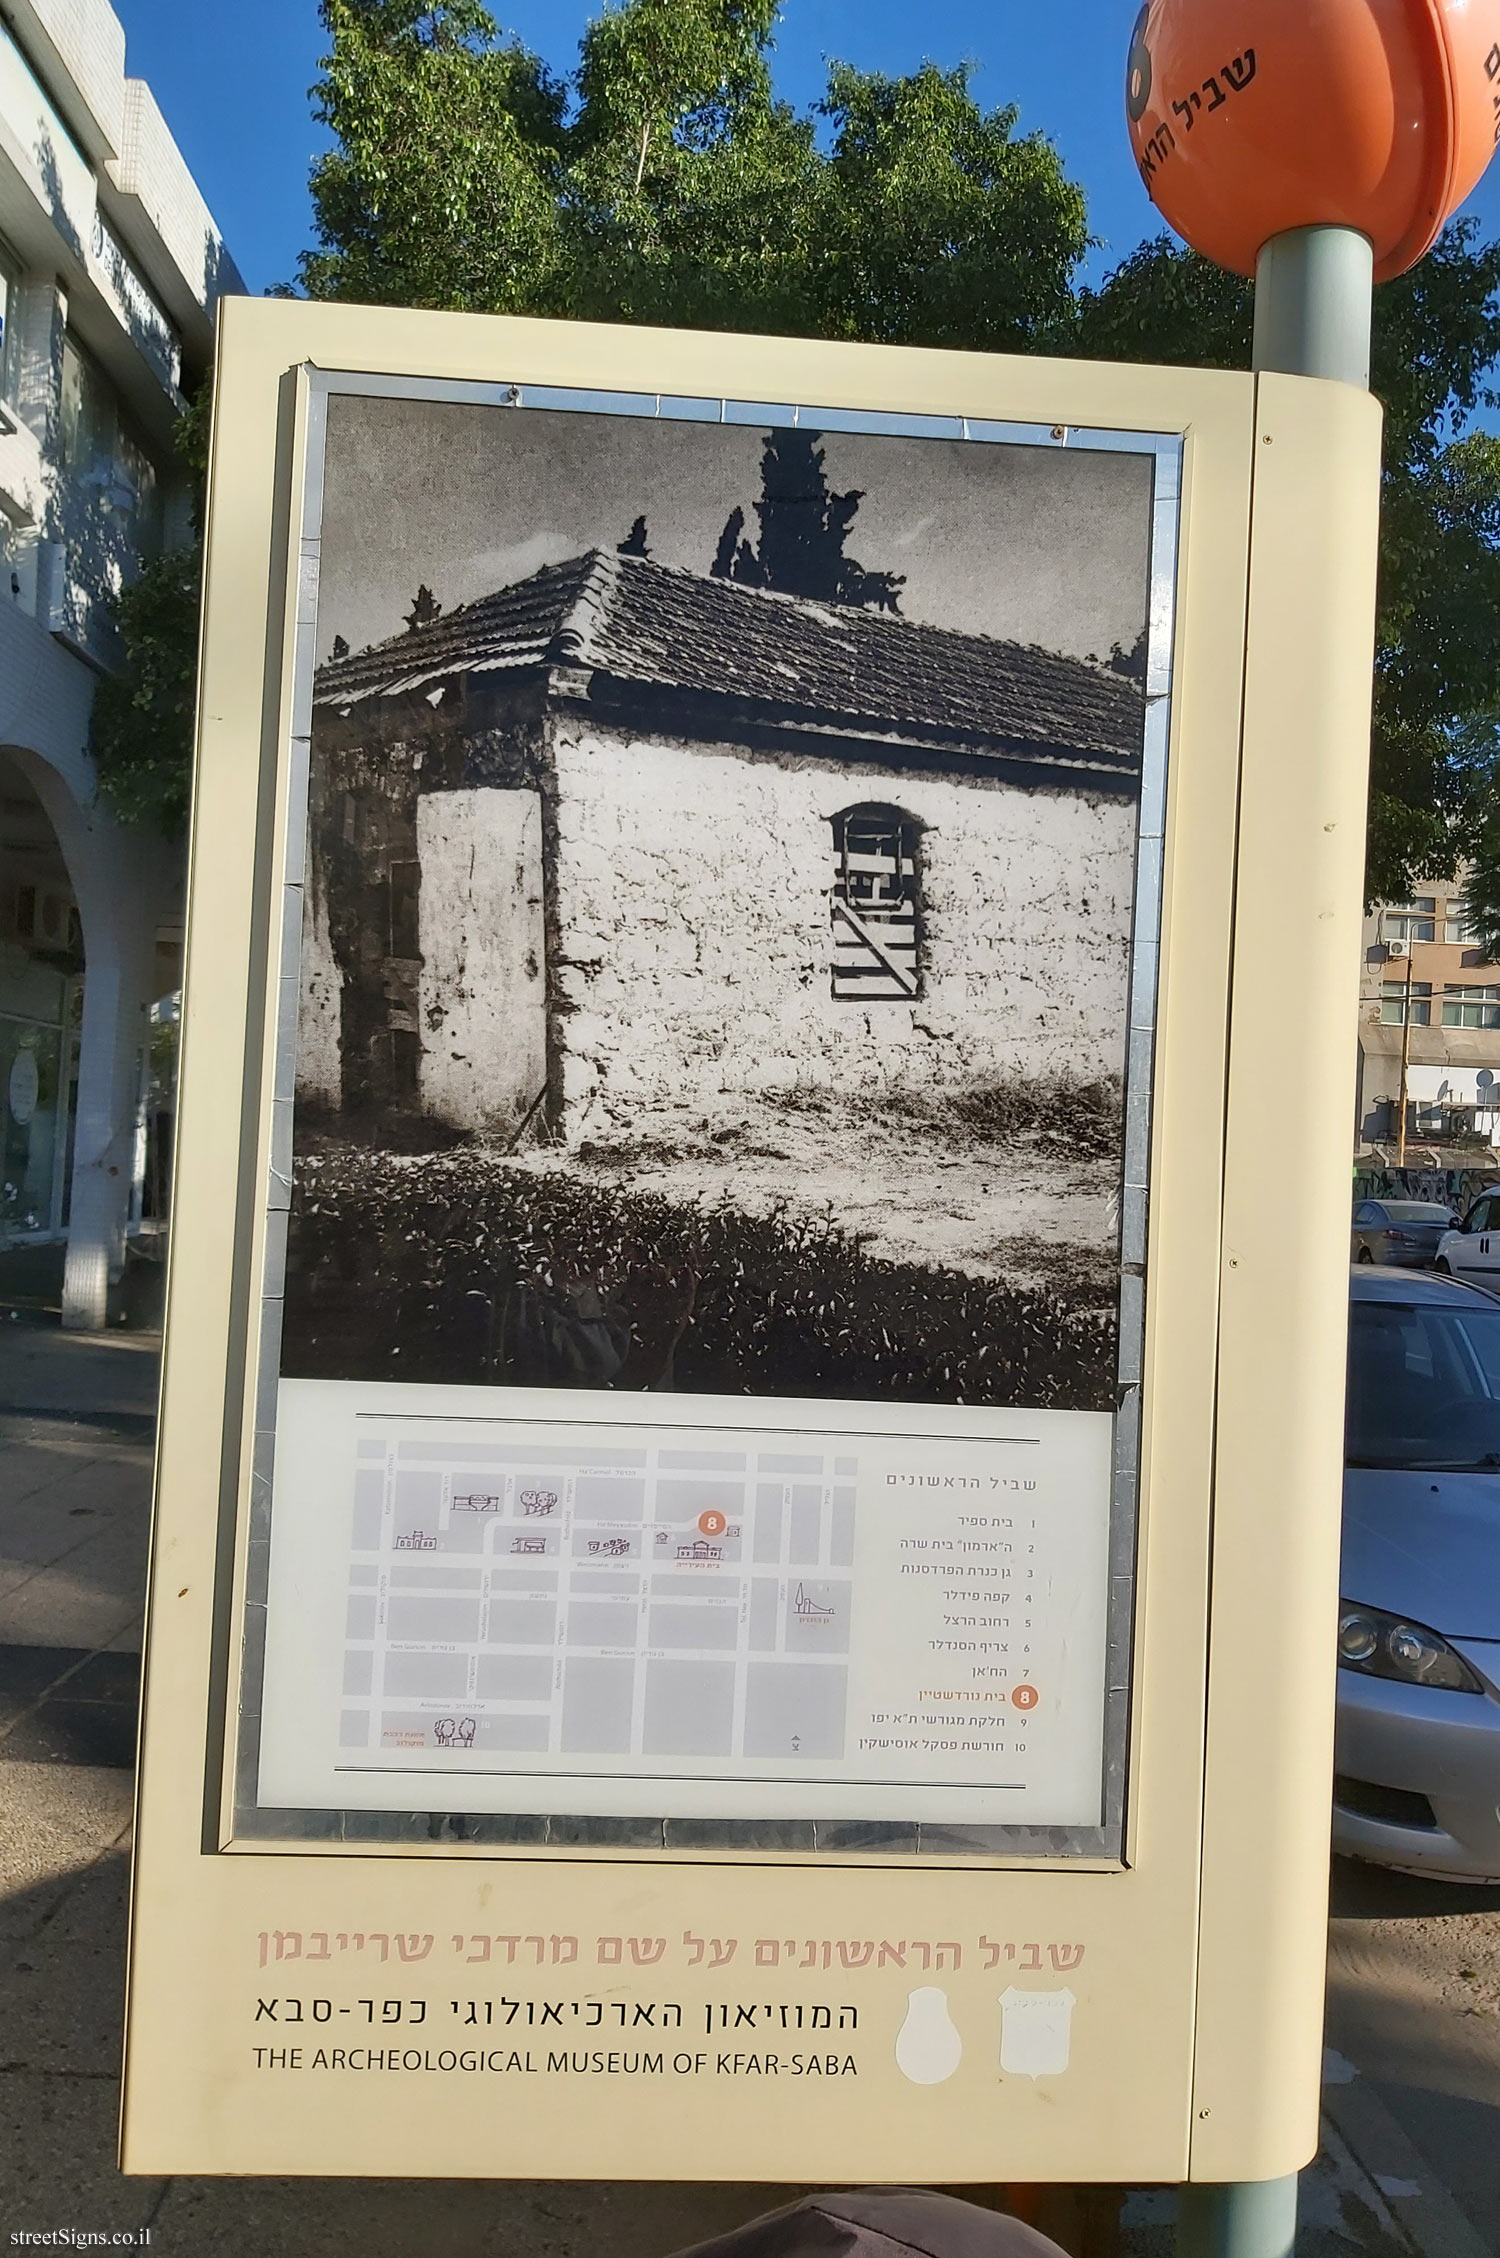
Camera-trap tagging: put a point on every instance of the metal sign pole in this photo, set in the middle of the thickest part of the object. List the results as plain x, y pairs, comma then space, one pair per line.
1313, 291
1404, 1099
1246, 2219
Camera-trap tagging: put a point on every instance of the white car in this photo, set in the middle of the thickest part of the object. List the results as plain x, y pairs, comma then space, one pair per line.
1472, 1252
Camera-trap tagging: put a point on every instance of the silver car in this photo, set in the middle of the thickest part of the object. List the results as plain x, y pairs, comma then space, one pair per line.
1404, 1232
1417, 1762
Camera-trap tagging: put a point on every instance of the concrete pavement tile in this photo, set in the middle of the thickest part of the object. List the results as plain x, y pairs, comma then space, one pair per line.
15, 1575
111, 1556
74, 1732
81, 1440
28, 1672
120, 1527
62, 1437
58, 1820
107, 1482
45, 1528
98, 1552
37, 1534
31, 1468
58, 1607
1435, 2223
129, 1638
1340, 2208
462, 2218
62, 1994
57, 2158
106, 1677
43, 1365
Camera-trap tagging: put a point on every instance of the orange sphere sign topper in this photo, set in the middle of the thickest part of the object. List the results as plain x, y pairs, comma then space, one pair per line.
1251, 117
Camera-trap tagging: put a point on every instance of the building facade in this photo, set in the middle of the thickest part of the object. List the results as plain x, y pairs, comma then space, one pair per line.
1430, 992
110, 270
622, 836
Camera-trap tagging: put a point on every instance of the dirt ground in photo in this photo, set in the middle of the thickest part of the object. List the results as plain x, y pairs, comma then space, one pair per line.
789, 1245
922, 1178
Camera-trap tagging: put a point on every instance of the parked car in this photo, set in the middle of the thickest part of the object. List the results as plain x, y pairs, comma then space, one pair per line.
1472, 1248
1417, 1762
1404, 1232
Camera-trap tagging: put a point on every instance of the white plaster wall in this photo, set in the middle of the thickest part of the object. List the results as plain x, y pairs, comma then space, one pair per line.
692, 900
320, 991
483, 983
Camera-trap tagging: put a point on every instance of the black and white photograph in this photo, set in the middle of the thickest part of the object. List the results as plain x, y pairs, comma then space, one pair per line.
720, 863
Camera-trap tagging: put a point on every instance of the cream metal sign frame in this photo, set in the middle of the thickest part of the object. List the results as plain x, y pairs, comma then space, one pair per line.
1193, 1973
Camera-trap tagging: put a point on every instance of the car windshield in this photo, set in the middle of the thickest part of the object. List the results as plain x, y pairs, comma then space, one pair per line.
1424, 1386
1415, 1211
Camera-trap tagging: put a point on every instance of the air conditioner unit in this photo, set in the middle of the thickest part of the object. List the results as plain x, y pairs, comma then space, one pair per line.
1397, 949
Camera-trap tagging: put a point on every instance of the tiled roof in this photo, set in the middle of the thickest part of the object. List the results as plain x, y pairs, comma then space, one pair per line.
640, 622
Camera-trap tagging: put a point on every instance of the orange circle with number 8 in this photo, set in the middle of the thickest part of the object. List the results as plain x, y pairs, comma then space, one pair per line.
712, 1524
1025, 1697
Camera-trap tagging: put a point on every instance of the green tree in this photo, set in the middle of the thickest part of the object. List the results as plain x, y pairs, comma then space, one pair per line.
442, 186
141, 721
1437, 666
662, 181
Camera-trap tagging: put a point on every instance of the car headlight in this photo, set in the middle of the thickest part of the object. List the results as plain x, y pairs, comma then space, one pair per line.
1387, 1646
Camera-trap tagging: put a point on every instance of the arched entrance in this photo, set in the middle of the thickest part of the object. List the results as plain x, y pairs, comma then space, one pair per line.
88, 944
41, 999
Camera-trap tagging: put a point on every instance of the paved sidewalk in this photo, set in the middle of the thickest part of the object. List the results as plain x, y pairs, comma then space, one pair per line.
76, 1425
77, 1418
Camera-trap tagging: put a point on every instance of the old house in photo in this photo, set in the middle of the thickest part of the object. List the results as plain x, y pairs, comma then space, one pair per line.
621, 834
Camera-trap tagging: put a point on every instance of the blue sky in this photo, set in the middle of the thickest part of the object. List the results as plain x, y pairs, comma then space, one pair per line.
232, 81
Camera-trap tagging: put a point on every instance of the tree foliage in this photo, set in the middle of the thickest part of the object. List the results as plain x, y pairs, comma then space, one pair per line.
141, 719
141, 722
1437, 669
661, 180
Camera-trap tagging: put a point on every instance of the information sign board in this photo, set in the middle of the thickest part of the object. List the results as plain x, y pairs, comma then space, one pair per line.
715, 1097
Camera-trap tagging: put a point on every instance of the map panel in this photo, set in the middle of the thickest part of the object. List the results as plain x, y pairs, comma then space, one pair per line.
539, 1597
667, 1620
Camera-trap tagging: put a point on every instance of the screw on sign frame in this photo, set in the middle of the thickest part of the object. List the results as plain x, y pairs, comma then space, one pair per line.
1250, 118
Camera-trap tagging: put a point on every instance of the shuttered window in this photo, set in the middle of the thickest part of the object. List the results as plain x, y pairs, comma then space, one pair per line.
876, 906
